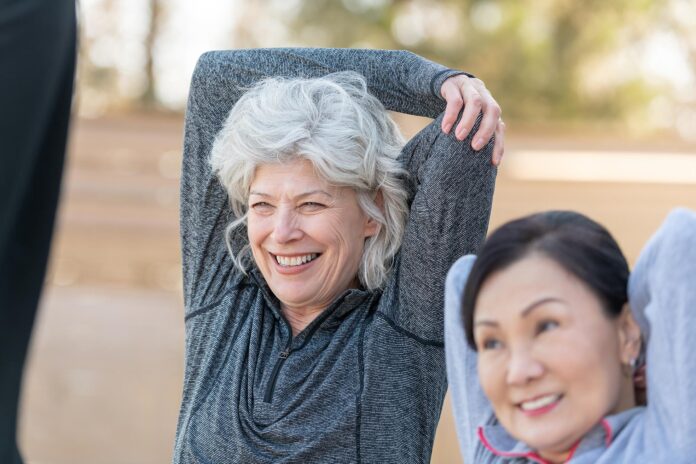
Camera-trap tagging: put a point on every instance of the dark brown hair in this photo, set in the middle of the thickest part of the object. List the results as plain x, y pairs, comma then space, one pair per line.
580, 245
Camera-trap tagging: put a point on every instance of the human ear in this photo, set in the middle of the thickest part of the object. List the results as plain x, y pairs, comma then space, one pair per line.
629, 337
372, 227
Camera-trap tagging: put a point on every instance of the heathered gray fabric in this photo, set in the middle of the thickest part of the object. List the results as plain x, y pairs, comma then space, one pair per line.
662, 294
365, 381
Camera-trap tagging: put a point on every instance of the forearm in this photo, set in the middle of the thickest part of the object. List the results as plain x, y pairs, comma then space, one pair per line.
401, 80
470, 405
662, 293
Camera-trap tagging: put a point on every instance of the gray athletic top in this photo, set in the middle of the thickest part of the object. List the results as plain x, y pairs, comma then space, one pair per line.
662, 294
365, 381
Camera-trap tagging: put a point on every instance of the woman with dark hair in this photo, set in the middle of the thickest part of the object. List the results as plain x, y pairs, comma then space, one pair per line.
543, 337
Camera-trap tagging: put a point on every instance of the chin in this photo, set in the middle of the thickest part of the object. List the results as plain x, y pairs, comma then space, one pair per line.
550, 444
291, 296
550, 441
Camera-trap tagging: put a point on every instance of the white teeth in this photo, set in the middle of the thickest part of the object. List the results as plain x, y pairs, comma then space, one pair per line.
295, 260
539, 402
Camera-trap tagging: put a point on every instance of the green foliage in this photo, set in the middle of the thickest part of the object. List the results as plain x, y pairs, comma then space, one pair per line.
535, 56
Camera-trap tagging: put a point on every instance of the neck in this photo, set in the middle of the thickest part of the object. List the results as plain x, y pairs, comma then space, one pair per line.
299, 318
627, 396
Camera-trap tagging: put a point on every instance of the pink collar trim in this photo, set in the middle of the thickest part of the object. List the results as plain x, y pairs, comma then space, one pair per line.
533, 456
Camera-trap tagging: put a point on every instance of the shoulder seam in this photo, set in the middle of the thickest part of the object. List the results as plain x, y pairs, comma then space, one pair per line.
411, 335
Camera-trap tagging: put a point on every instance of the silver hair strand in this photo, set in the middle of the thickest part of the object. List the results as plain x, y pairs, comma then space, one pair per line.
347, 135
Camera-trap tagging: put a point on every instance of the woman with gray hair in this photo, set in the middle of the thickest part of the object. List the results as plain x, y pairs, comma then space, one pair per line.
315, 247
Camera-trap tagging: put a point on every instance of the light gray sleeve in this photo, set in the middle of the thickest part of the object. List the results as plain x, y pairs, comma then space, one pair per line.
403, 81
662, 294
471, 407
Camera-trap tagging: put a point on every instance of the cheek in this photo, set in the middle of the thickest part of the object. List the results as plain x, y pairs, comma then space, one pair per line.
342, 231
257, 229
491, 373
588, 363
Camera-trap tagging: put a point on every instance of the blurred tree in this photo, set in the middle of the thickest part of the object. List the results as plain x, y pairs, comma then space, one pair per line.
534, 55
680, 23
148, 97
96, 73
117, 54
544, 60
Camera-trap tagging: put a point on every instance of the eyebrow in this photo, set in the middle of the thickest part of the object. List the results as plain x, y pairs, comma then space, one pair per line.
532, 306
525, 312
486, 322
301, 195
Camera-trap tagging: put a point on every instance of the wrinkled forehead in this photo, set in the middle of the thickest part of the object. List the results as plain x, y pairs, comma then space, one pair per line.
289, 178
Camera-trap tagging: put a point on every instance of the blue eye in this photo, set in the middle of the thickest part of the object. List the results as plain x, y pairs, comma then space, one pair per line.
261, 206
312, 206
491, 344
546, 325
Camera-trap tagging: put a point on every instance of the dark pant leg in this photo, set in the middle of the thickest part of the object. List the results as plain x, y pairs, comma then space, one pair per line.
37, 62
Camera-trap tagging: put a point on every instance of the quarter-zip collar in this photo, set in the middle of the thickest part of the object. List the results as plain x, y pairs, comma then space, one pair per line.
329, 318
499, 442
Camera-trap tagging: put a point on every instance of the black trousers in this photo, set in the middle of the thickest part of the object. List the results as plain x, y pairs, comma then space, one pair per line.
37, 65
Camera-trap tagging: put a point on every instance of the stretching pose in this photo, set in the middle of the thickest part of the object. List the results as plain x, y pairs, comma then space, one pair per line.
315, 248
544, 332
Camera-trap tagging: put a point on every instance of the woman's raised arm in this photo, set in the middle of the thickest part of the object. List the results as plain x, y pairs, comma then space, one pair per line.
470, 405
451, 193
662, 292
403, 81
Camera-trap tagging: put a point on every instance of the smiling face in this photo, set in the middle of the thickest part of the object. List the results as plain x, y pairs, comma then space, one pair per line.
549, 358
306, 236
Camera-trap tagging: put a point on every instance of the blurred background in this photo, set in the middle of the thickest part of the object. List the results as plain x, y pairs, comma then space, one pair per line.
600, 103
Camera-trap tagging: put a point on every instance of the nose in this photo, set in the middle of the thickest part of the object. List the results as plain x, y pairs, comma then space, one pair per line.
287, 226
523, 367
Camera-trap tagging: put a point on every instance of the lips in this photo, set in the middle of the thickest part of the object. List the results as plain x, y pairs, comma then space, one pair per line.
293, 264
540, 404
296, 260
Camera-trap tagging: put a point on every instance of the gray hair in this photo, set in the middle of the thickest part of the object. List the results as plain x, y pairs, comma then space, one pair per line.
347, 135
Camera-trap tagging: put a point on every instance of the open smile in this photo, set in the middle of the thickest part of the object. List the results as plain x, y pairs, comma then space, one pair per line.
539, 405
292, 264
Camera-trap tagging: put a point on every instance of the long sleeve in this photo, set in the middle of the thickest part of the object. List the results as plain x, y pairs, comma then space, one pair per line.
403, 82
471, 407
451, 191
662, 293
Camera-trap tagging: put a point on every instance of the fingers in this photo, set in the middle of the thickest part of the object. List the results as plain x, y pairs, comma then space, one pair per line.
489, 124
453, 97
499, 146
472, 107
462, 91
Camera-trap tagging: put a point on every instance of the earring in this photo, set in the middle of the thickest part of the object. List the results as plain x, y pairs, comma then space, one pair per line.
630, 367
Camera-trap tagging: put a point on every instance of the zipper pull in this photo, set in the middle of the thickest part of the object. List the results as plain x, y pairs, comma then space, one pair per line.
284, 354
